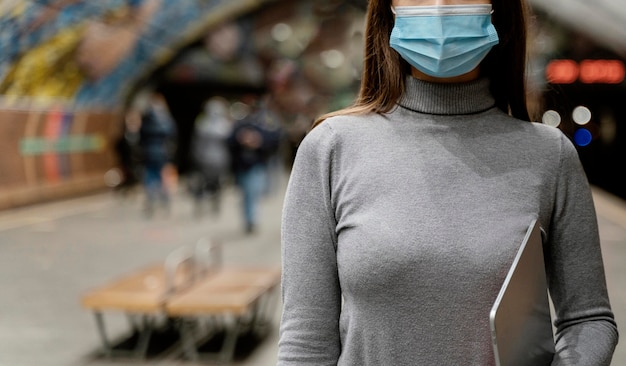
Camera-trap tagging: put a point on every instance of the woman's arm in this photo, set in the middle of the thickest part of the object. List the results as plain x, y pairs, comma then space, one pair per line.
586, 332
309, 331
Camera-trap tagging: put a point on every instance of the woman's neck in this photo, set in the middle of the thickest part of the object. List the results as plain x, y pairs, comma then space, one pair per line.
470, 76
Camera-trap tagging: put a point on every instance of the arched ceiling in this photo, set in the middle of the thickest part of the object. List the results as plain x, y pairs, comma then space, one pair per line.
90, 53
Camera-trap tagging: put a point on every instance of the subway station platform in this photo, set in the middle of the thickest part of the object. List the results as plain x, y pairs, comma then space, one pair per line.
52, 253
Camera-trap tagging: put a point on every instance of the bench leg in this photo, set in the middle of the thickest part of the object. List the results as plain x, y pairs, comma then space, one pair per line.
188, 340
263, 312
230, 341
106, 345
143, 341
145, 333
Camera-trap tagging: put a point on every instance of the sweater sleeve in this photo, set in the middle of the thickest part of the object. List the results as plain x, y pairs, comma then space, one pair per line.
586, 332
309, 329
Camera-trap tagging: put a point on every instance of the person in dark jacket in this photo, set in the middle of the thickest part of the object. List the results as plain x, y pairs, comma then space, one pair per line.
253, 141
156, 140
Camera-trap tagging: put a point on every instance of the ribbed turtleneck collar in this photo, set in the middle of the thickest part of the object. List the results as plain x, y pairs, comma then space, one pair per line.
446, 98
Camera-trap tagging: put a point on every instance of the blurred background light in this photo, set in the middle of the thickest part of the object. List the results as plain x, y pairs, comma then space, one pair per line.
281, 32
582, 137
581, 115
239, 110
113, 177
551, 118
562, 71
332, 58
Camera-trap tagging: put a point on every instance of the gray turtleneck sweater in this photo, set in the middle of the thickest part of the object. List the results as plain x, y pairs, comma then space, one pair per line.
399, 229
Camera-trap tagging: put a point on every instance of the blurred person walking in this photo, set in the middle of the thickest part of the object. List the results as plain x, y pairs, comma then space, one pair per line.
157, 140
127, 146
253, 142
210, 154
405, 211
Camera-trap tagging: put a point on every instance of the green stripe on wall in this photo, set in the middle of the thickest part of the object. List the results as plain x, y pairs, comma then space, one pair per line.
62, 145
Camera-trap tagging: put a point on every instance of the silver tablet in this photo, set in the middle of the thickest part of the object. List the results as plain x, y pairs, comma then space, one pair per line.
521, 327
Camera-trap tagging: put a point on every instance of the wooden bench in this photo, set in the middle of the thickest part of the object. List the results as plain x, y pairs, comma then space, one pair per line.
191, 287
241, 294
140, 295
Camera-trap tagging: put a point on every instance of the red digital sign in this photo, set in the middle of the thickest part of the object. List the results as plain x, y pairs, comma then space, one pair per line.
586, 71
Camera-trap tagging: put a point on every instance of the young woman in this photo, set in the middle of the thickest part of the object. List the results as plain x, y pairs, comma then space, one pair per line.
404, 212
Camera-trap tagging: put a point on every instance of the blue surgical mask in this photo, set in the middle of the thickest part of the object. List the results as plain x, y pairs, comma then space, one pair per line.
443, 41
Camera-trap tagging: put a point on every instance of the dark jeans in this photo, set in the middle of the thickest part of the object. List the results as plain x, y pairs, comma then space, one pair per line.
252, 183
153, 186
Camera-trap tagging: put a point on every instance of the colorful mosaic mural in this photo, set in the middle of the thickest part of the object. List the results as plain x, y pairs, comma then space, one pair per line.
90, 53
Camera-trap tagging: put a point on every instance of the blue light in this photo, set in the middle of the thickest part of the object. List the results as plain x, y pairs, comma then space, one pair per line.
582, 137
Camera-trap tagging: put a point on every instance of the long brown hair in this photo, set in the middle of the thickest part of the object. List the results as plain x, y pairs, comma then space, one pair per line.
384, 70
